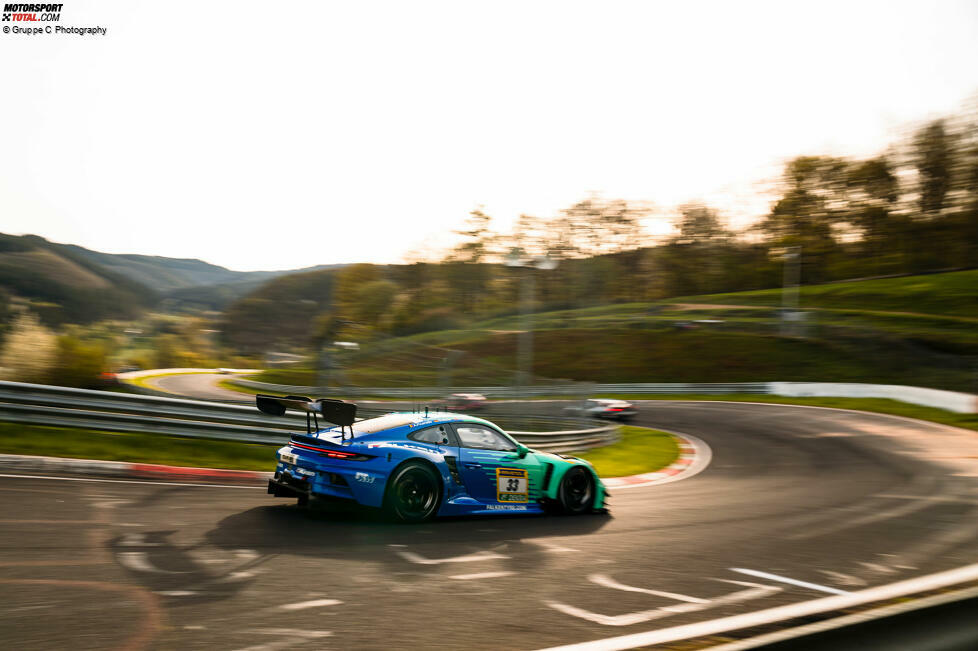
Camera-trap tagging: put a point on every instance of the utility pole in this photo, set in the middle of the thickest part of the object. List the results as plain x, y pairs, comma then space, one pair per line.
524, 350
790, 316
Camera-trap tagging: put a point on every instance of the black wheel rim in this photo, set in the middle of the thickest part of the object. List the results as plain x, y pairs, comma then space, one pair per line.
579, 490
415, 493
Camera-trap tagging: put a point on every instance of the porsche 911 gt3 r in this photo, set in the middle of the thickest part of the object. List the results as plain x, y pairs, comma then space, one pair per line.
420, 465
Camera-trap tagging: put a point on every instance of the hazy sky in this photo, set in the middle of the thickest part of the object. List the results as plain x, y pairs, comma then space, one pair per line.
263, 135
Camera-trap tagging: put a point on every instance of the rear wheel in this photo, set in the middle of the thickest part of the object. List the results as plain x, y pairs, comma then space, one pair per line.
577, 491
413, 493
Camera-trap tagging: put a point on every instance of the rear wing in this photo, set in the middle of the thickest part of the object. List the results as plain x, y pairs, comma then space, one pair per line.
333, 411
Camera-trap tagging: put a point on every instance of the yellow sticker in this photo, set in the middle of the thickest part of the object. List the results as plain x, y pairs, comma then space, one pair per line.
512, 485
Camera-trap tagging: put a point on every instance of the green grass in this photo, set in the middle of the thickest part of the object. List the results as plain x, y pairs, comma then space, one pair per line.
132, 447
640, 450
946, 294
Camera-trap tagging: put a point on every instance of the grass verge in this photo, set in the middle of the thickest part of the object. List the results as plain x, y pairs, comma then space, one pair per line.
875, 405
640, 450
133, 447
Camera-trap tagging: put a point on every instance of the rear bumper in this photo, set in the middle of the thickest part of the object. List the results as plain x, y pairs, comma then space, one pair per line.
321, 485
283, 485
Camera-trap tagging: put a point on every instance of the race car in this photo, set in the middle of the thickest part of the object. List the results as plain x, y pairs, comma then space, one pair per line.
604, 408
462, 402
417, 466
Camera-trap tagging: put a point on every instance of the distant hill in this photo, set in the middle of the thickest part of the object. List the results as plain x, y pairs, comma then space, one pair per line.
282, 311
65, 287
67, 283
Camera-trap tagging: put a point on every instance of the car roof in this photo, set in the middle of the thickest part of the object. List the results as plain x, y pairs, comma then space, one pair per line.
400, 419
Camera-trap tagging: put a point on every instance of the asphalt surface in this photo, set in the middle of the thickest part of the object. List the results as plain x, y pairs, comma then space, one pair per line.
202, 386
836, 500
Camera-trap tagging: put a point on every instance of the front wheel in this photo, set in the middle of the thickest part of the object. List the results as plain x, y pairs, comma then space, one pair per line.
413, 493
577, 491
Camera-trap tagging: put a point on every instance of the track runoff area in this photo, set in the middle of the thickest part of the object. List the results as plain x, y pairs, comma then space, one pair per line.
801, 513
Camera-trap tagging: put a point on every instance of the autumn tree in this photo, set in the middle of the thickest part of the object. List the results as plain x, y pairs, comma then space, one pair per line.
29, 350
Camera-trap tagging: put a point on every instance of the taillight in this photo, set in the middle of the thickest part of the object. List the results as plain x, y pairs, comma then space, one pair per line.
334, 454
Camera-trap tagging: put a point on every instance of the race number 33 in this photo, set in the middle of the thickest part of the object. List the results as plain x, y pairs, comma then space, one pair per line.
511, 485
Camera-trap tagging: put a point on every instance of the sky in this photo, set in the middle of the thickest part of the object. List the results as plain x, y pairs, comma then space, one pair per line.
259, 135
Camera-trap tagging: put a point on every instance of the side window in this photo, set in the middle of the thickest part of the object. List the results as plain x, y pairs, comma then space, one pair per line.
481, 437
438, 435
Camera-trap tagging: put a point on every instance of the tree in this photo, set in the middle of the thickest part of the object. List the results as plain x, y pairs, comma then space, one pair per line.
873, 193
78, 363
478, 240
932, 159
29, 350
814, 201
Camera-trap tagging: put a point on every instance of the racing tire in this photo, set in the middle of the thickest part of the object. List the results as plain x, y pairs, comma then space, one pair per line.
577, 491
413, 493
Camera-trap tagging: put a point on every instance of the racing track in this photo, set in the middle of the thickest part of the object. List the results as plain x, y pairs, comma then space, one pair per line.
837, 500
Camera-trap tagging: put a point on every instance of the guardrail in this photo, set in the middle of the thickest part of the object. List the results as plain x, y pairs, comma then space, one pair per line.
964, 403
573, 390
40, 404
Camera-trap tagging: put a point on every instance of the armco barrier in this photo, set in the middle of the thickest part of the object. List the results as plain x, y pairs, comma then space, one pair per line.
120, 412
964, 403
571, 390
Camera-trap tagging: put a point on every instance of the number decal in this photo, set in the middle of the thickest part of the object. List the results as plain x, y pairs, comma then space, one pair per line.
512, 485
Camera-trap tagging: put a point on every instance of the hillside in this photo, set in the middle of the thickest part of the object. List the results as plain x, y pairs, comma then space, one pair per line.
943, 294
66, 283
909, 330
65, 287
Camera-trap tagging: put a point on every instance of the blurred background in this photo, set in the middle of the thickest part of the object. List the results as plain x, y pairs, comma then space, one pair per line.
658, 194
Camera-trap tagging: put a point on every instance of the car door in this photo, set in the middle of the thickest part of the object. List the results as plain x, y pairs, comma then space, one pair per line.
491, 468
441, 439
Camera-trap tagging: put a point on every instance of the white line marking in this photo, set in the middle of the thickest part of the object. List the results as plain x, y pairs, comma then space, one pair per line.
784, 579
421, 560
876, 567
779, 613
315, 603
608, 582
127, 481
754, 591
138, 562
137, 540
552, 547
289, 638
844, 579
176, 593
846, 620
479, 575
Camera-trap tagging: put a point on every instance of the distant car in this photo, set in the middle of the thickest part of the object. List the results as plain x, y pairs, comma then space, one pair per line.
604, 408
463, 402
420, 465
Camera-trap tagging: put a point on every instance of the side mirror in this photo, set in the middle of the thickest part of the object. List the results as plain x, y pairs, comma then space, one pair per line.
521, 450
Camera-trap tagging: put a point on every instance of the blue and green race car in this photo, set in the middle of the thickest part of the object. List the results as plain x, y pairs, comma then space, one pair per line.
417, 466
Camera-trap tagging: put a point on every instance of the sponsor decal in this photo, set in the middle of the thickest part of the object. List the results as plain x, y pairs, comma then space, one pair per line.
364, 478
512, 485
505, 507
